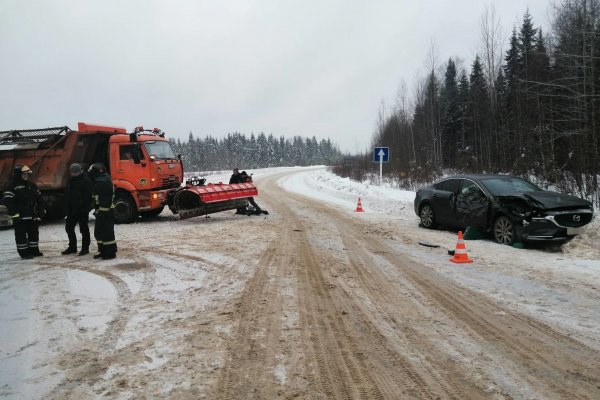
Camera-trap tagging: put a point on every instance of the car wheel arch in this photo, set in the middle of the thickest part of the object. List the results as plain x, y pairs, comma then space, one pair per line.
502, 213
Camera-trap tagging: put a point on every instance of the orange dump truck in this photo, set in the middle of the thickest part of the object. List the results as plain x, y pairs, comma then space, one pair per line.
144, 170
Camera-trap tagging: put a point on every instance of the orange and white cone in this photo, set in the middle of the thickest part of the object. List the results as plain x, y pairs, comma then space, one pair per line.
460, 254
359, 207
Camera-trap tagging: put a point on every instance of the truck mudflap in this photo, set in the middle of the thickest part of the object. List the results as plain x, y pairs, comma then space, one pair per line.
192, 200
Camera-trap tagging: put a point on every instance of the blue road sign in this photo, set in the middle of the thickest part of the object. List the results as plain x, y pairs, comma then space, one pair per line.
381, 154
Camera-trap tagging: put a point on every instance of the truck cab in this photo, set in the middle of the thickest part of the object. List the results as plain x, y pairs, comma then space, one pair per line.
144, 171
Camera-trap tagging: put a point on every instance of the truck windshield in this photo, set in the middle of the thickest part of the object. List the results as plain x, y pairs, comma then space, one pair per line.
160, 150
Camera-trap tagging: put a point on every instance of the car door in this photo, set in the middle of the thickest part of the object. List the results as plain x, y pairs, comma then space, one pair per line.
443, 200
472, 205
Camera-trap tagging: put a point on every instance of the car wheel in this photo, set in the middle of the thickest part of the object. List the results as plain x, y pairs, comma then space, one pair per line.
504, 230
427, 216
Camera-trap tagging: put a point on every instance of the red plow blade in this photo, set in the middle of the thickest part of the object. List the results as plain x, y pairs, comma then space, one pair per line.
192, 201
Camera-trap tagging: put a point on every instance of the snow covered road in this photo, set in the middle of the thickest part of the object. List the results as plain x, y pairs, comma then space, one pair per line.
313, 301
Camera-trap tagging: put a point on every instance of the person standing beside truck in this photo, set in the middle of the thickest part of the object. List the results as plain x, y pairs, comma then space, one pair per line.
23, 201
104, 229
78, 203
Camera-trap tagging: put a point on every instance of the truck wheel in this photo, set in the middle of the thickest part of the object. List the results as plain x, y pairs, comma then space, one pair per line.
151, 213
125, 209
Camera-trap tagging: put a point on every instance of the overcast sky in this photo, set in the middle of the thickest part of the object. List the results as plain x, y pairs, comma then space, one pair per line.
211, 67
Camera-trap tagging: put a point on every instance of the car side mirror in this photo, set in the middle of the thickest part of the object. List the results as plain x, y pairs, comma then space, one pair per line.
179, 157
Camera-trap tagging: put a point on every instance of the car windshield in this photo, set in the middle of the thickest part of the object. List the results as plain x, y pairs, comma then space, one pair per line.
509, 186
160, 150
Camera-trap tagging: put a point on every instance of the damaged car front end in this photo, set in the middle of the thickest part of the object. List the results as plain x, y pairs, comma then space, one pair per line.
546, 216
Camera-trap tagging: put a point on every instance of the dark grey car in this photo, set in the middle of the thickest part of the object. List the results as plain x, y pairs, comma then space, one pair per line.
511, 208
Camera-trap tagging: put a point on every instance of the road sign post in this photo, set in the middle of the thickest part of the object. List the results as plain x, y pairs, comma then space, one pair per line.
381, 155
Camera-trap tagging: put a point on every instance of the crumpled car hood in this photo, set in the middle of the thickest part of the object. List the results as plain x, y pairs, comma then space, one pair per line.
551, 200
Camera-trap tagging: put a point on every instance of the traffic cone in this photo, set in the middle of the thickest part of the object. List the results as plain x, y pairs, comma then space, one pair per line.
359, 207
460, 254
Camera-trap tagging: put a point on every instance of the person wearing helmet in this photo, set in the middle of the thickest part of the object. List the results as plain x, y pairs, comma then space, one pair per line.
104, 229
78, 203
24, 202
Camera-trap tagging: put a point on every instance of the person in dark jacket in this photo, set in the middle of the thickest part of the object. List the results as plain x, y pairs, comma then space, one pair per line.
236, 177
78, 204
24, 202
104, 228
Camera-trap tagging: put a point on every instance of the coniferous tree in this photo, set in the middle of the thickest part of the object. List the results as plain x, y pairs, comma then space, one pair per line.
511, 104
451, 115
465, 119
477, 132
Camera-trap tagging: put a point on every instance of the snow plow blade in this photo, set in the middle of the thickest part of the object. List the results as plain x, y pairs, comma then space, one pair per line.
192, 201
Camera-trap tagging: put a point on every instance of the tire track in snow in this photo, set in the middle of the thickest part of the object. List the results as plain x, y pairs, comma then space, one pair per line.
337, 346
91, 359
246, 372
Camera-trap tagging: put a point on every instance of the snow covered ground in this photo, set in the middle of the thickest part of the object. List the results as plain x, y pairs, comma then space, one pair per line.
67, 311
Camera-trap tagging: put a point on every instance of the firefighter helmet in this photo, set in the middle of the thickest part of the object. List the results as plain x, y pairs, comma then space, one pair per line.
96, 170
21, 169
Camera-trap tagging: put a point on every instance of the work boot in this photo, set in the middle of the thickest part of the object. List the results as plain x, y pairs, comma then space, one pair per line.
69, 250
97, 256
84, 251
37, 254
108, 256
26, 256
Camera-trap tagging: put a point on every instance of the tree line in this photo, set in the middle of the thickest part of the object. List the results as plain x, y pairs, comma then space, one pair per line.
531, 110
257, 151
